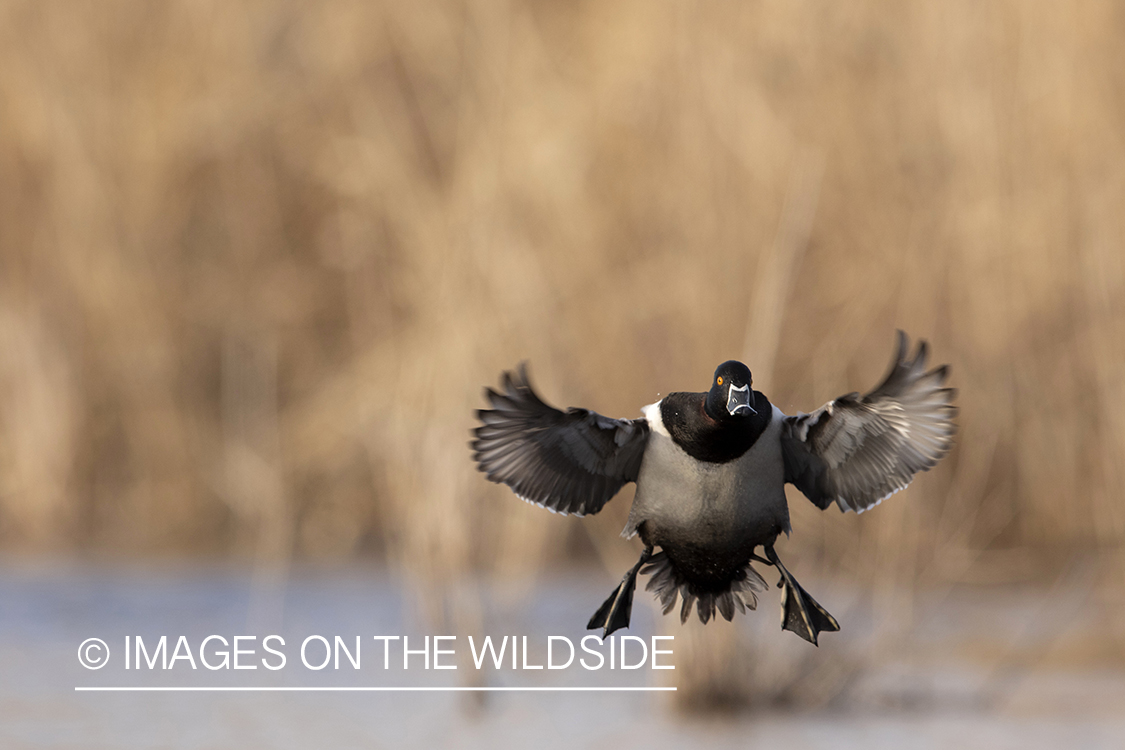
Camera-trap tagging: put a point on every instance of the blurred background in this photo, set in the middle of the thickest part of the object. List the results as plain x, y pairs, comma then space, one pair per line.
258, 259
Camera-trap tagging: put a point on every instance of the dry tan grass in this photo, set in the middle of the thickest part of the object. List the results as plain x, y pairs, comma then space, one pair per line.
259, 258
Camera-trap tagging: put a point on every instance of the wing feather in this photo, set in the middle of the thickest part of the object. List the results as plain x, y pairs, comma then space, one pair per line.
857, 451
569, 462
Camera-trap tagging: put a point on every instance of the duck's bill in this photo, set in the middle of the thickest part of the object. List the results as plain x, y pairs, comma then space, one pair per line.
738, 400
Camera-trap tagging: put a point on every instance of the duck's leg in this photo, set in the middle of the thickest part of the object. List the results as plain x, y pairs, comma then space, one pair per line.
615, 611
799, 611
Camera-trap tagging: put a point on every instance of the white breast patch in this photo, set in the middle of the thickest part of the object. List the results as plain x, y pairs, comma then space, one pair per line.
655, 421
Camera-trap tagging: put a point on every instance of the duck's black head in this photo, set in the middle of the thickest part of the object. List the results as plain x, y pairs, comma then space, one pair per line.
731, 396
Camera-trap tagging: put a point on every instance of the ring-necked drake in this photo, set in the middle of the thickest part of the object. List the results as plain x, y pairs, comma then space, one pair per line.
710, 470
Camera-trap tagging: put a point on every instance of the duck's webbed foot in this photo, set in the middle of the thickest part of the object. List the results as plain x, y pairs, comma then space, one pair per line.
800, 613
616, 611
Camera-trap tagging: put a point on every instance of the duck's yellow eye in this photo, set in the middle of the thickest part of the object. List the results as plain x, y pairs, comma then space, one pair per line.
720, 380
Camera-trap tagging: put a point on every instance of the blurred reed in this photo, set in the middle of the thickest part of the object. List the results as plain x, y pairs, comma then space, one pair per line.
257, 260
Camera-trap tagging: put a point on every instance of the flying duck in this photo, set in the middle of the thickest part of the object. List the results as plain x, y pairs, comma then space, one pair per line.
711, 470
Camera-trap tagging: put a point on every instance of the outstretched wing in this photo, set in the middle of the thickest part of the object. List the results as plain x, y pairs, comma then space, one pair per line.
859, 451
571, 462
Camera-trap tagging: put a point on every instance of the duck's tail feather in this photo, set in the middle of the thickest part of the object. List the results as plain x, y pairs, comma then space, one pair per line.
668, 584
